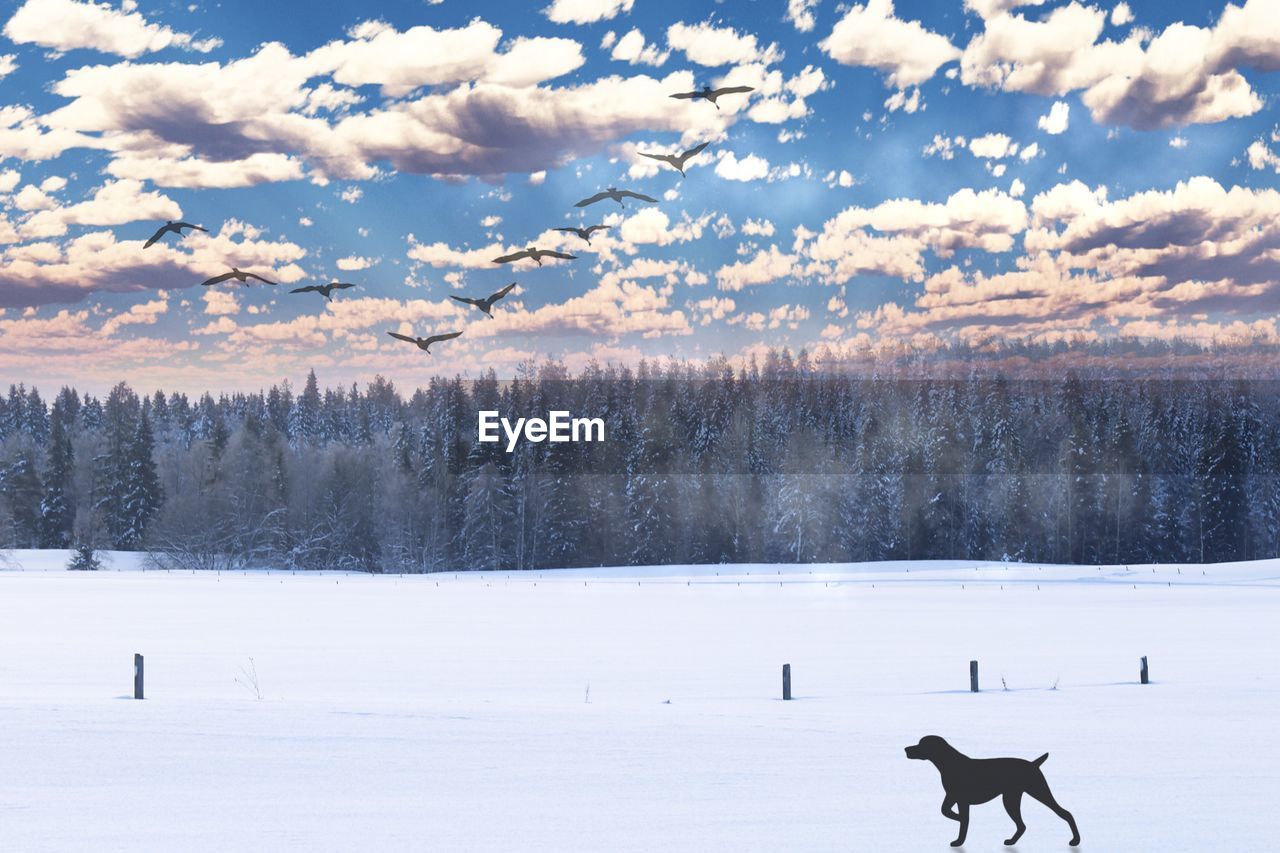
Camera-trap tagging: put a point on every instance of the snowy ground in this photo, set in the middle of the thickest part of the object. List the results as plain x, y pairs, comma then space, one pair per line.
625, 710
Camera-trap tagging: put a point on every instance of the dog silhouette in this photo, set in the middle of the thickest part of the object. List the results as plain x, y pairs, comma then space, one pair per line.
970, 781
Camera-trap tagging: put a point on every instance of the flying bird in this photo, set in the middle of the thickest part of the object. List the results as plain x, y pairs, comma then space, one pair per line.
424, 344
615, 194
239, 275
584, 233
677, 161
325, 289
171, 226
487, 303
709, 94
535, 253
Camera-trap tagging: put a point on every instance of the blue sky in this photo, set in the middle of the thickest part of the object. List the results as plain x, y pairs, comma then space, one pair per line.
905, 174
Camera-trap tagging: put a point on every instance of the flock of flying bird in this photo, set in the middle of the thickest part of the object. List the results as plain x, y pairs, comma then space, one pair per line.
676, 161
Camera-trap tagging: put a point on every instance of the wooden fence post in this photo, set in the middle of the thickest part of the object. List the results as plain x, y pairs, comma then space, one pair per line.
973, 676
137, 676
1143, 675
786, 681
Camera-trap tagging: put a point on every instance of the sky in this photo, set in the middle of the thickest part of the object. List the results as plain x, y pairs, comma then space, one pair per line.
906, 174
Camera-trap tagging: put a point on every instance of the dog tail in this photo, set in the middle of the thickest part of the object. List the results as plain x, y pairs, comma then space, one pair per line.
1040, 760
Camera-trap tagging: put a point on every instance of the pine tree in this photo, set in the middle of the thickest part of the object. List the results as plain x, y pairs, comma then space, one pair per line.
57, 514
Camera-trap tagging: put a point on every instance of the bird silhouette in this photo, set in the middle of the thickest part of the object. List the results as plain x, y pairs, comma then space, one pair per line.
487, 303
677, 161
584, 233
709, 94
534, 253
324, 289
239, 275
424, 344
615, 194
171, 226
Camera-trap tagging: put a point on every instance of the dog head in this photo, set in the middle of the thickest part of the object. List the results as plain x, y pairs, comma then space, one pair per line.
930, 748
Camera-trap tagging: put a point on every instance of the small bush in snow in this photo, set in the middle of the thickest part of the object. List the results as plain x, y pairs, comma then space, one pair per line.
84, 559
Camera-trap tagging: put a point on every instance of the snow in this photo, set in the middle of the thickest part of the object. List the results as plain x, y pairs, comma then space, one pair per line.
451, 712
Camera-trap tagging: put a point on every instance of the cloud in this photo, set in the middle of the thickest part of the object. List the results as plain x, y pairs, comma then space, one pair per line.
220, 303
871, 36
632, 49
353, 263
586, 11
705, 44
144, 314
1121, 15
1184, 75
1262, 157
114, 203
800, 14
46, 272
993, 146
768, 265
749, 168
195, 173
8, 64
1058, 119
67, 25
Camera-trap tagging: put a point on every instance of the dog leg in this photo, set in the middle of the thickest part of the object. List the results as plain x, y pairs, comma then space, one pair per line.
947, 812
1013, 805
1040, 790
964, 824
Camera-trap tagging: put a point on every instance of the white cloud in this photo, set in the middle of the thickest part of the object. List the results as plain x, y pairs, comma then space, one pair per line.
9, 179
993, 146
1260, 156
632, 49
1017, 188
586, 11
8, 64
114, 203
713, 46
221, 303
352, 263
1030, 152
1184, 75
1121, 15
1178, 142
871, 36
1058, 119
195, 173
144, 314
749, 168
766, 266
800, 14
67, 25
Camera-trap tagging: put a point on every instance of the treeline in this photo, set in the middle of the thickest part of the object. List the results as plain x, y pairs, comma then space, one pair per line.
778, 461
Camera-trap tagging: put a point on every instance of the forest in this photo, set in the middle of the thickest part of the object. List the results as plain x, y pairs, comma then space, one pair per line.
779, 460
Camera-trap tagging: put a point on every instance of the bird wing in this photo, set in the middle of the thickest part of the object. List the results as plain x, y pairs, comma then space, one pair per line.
514, 256
693, 152
550, 254
401, 337
685, 95
665, 158
341, 285
591, 229
218, 279
435, 339
601, 196
310, 288
467, 299
732, 90
569, 230
501, 293
641, 196
178, 226
260, 278
156, 236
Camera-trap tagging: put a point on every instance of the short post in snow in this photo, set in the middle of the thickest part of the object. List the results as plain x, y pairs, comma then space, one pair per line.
786, 681
973, 676
1143, 675
137, 676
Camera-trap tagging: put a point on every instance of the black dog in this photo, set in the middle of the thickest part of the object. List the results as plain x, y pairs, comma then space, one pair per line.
969, 781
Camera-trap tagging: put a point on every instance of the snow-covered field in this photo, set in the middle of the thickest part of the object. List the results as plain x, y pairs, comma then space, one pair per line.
631, 710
